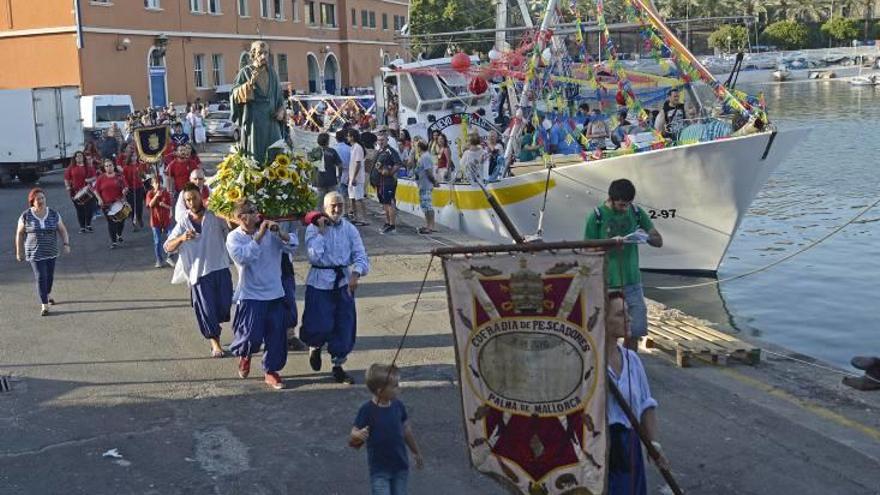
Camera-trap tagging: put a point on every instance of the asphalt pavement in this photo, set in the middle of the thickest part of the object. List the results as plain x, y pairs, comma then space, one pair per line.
119, 367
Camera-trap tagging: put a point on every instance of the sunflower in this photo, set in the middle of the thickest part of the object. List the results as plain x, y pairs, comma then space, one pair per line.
283, 173
282, 160
233, 194
270, 174
294, 176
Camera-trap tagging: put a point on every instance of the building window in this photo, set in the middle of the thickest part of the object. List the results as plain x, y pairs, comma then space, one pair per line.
196, 6
278, 9
264, 8
385, 22
311, 15
282, 67
354, 19
217, 69
214, 6
364, 21
243, 9
294, 6
199, 70
328, 14
372, 20
152, 4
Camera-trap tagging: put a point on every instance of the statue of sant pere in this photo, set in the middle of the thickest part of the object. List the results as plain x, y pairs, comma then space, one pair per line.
258, 104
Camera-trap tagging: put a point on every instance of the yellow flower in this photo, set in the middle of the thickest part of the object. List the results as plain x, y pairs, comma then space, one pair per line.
271, 174
256, 179
282, 160
294, 175
283, 173
233, 194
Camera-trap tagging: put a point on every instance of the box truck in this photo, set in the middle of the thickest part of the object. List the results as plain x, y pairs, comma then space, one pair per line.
41, 128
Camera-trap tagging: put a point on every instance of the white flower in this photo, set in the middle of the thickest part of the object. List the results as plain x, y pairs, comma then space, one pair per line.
284, 196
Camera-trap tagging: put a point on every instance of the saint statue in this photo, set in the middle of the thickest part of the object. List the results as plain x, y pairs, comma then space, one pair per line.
258, 104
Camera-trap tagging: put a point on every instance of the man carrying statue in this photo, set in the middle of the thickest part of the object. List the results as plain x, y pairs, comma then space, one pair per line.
258, 104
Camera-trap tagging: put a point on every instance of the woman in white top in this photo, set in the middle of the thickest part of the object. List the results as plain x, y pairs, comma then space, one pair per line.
199, 130
626, 468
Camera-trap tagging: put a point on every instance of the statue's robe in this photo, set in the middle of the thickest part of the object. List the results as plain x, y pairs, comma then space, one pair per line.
254, 110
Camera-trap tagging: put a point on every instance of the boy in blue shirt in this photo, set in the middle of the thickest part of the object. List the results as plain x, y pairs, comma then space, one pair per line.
382, 423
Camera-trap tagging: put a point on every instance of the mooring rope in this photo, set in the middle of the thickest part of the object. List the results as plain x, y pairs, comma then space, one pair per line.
780, 260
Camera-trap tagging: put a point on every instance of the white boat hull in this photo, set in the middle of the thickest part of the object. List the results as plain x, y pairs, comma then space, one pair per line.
698, 195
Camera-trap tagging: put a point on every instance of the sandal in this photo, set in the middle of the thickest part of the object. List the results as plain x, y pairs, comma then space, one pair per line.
215, 353
425, 230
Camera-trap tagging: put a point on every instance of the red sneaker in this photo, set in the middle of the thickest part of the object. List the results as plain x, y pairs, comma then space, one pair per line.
244, 366
274, 381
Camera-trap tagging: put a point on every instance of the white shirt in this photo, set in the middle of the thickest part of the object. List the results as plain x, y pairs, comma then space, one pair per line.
207, 252
633, 385
357, 155
259, 264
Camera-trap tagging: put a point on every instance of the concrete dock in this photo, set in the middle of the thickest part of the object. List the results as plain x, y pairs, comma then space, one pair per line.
119, 364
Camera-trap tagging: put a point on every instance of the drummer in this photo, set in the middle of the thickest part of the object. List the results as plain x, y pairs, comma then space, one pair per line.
133, 171
78, 176
111, 189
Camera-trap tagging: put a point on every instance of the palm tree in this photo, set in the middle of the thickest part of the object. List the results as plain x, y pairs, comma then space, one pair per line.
865, 8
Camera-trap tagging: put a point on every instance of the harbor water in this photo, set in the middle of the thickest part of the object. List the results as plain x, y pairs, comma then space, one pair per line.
825, 302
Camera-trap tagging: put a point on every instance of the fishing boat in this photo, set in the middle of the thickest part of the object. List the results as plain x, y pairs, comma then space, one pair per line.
697, 191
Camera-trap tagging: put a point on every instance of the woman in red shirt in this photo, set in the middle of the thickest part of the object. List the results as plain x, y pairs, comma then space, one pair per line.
180, 168
159, 200
133, 172
110, 188
93, 157
78, 175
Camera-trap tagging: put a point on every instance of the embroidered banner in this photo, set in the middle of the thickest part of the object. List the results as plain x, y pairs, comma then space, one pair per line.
151, 142
529, 332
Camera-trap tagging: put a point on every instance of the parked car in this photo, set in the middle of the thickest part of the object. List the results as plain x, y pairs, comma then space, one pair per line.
219, 124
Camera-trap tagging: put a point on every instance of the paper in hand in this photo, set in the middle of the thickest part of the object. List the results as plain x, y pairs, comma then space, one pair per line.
637, 237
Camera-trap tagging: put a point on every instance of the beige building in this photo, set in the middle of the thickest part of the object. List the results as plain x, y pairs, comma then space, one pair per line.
179, 50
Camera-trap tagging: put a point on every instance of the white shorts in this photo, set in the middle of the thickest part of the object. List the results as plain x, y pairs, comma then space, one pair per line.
356, 192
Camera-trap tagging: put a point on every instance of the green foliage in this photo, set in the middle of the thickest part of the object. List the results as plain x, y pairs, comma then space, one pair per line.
788, 35
738, 35
841, 30
435, 16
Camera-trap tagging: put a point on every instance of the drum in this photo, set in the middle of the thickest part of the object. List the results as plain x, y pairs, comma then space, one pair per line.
119, 211
83, 196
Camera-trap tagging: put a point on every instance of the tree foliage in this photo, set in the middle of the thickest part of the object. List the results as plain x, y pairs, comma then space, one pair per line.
841, 30
788, 35
739, 38
435, 16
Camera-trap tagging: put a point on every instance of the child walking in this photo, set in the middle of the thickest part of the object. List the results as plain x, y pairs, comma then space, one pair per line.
159, 201
382, 423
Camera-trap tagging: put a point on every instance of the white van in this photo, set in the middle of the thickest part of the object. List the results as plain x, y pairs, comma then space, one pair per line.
102, 111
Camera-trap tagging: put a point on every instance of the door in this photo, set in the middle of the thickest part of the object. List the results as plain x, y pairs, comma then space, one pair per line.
158, 98
71, 121
47, 111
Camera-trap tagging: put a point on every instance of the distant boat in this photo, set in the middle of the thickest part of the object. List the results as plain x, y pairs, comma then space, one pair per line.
781, 74
864, 81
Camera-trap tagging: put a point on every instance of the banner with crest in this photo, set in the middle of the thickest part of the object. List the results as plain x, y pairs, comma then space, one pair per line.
529, 331
151, 142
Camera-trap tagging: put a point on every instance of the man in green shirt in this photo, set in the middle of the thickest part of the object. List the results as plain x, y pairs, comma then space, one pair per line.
618, 218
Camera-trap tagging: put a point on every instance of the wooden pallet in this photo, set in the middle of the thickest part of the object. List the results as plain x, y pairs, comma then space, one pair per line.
682, 340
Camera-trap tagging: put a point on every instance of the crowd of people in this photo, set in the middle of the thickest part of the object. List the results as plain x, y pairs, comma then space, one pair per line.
109, 172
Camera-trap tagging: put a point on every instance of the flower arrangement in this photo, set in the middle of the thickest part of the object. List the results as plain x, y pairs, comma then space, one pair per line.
279, 189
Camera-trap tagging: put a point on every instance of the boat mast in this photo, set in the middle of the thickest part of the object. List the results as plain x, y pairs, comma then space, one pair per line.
518, 115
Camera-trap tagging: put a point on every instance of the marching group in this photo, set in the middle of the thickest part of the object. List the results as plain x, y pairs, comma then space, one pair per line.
266, 315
